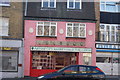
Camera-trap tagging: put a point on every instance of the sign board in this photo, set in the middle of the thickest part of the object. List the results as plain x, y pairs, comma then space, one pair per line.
9, 48
107, 46
62, 49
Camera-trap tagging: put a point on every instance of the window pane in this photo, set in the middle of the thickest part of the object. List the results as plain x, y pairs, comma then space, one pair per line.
71, 3
52, 3
9, 61
46, 30
103, 59
111, 8
53, 30
45, 3
40, 30
75, 31
77, 5
69, 31
4, 3
82, 31
87, 58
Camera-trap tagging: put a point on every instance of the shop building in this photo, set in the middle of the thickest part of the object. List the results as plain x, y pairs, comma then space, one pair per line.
108, 38
57, 36
11, 42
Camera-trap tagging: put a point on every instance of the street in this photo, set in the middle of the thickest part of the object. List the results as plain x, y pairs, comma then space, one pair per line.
34, 78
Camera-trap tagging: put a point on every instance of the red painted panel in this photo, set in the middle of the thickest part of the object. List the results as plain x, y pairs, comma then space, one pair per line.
38, 72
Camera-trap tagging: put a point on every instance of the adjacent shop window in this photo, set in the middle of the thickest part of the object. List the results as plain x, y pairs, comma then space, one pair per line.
9, 61
52, 60
48, 3
76, 30
4, 3
4, 25
107, 60
109, 33
46, 29
109, 6
74, 4
87, 58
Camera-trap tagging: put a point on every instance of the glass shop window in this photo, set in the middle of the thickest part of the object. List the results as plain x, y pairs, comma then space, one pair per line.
9, 61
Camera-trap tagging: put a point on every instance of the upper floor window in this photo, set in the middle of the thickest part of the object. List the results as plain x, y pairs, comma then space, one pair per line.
74, 4
4, 3
46, 29
48, 3
76, 30
109, 6
109, 33
4, 25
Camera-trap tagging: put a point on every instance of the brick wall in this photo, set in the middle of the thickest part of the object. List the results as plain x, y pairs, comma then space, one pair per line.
15, 14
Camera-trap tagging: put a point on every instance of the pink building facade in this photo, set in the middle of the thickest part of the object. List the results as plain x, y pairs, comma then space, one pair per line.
52, 45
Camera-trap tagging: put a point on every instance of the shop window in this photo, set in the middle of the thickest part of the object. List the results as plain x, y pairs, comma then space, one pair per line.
107, 60
74, 4
76, 30
87, 58
9, 61
4, 3
48, 3
52, 60
46, 29
4, 25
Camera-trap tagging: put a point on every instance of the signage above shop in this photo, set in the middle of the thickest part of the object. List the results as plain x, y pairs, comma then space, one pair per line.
107, 46
62, 49
9, 48
39, 42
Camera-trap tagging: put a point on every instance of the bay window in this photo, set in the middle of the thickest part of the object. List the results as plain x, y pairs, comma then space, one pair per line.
109, 32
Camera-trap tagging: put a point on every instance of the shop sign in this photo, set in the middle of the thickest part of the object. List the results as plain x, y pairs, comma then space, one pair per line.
9, 48
107, 46
62, 49
38, 42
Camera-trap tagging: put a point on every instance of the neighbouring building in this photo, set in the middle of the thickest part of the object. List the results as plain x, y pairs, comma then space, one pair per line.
57, 34
11, 39
108, 37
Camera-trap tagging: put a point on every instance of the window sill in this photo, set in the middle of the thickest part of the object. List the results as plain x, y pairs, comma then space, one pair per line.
77, 37
47, 8
68, 9
48, 36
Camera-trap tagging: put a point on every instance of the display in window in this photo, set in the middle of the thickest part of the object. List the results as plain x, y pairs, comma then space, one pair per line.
52, 60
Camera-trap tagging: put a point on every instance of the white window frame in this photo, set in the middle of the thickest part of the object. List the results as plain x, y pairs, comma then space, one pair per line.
74, 4
78, 30
43, 29
49, 4
4, 26
2, 3
105, 5
110, 32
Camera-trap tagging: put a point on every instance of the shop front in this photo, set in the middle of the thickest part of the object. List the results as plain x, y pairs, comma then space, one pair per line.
11, 59
52, 45
108, 58
50, 59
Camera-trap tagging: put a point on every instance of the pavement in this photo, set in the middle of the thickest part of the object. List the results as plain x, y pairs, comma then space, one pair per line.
34, 78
